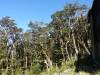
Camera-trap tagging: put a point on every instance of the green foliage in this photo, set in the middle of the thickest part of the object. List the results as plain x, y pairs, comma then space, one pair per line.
49, 49
36, 69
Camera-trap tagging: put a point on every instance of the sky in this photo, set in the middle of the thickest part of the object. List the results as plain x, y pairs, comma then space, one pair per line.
23, 11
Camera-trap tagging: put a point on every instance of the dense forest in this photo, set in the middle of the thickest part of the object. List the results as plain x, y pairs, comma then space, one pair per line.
45, 45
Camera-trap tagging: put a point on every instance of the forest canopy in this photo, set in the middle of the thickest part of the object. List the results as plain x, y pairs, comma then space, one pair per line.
66, 36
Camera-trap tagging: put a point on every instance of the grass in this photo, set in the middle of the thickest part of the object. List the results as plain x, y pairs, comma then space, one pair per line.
69, 67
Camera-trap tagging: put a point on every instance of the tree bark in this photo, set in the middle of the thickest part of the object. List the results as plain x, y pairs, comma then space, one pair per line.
95, 37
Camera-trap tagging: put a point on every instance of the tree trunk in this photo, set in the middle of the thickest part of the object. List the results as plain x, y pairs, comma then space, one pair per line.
74, 43
62, 48
67, 51
95, 28
48, 61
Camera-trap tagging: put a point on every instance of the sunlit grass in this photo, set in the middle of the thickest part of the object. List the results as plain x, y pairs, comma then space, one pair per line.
66, 68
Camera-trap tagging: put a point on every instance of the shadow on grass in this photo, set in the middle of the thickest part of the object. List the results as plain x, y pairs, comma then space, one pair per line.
86, 64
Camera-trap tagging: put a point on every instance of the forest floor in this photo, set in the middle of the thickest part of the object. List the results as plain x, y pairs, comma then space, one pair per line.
71, 72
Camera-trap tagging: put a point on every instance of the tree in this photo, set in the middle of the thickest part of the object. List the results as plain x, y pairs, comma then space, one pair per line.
70, 32
95, 28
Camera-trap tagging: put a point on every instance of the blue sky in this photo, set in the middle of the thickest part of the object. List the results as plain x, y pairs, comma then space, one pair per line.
36, 10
